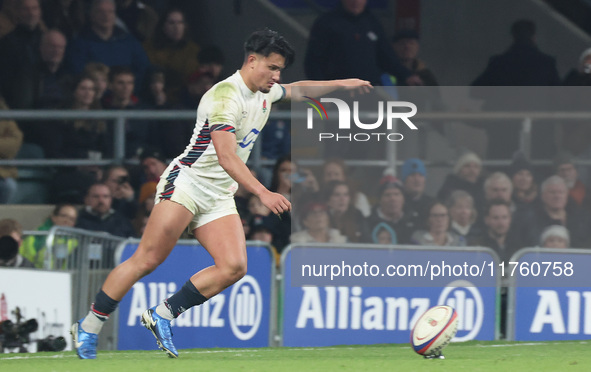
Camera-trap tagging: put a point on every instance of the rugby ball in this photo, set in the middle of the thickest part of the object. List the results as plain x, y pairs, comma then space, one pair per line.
434, 330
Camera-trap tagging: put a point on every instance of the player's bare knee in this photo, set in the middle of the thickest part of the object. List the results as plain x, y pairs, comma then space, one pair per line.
149, 265
146, 263
234, 270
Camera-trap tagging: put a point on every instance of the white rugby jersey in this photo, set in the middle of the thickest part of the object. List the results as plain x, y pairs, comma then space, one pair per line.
231, 106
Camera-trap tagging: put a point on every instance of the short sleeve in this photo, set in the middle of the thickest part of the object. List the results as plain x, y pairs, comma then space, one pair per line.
277, 93
225, 109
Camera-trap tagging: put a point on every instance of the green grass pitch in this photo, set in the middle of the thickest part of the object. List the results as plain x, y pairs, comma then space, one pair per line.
469, 356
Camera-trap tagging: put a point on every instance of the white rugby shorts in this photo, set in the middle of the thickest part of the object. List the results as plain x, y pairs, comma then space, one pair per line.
206, 205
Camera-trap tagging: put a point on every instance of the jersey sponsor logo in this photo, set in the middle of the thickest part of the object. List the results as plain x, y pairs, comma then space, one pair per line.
249, 139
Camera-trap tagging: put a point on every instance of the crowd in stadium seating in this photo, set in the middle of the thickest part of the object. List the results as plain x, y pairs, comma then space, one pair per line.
502, 211
125, 56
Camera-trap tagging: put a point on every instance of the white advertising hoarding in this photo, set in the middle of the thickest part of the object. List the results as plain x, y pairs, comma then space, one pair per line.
43, 295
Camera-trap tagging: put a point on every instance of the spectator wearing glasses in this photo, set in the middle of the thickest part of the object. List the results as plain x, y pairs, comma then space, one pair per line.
438, 232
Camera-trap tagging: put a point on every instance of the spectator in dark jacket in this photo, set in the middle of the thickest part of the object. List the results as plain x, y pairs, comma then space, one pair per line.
523, 64
416, 202
406, 45
350, 42
390, 210
554, 209
466, 176
81, 138
343, 214
104, 42
19, 52
139, 18
525, 189
97, 214
499, 233
124, 200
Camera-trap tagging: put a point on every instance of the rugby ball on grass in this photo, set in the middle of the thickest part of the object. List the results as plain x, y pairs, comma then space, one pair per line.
434, 330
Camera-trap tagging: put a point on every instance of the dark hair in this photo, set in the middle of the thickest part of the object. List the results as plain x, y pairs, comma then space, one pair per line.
108, 170
211, 54
435, 203
523, 31
60, 206
265, 42
119, 70
331, 187
160, 40
97, 184
74, 83
151, 152
275, 177
313, 201
259, 229
152, 73
494, 203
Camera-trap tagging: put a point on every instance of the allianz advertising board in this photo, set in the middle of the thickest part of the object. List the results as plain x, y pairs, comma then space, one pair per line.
551, 296
237, 317
323, 315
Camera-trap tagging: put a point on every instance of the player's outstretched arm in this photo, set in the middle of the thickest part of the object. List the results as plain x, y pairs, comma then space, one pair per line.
225, 147
315, 88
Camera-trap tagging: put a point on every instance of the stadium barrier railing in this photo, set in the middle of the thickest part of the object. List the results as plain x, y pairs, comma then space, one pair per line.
120, 118
89, 256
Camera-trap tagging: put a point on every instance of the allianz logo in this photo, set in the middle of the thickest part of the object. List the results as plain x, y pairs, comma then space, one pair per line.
348, 308
562, 312
242, 308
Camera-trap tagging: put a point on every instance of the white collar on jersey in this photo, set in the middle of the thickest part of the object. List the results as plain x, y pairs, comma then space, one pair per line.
243, 87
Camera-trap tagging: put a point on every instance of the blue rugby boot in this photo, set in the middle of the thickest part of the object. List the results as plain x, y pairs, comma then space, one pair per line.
84, 342
160, 327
